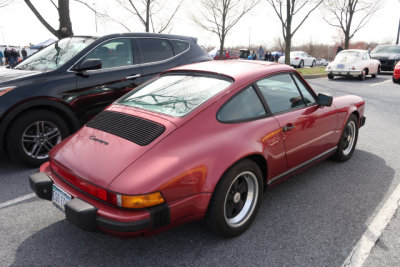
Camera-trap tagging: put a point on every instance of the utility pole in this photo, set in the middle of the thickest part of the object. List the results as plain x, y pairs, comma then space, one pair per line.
398, 33
95, 15
4, 39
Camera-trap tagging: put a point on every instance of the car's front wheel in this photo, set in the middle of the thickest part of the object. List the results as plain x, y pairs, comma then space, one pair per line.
348, 140
33, 134
236, 199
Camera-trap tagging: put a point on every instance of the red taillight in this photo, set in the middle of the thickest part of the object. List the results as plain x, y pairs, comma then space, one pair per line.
83, 185
296, 58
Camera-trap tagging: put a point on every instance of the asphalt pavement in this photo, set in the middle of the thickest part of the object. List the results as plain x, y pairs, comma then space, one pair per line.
320, 217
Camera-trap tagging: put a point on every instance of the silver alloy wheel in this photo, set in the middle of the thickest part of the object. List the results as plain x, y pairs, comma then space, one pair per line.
241, 199
349, 137
39, 138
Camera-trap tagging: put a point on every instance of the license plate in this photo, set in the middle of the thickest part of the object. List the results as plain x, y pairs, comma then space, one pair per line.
60, 197
340, 66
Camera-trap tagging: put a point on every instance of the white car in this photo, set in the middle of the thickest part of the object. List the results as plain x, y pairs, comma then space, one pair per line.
322, 62
353, 63
299, 59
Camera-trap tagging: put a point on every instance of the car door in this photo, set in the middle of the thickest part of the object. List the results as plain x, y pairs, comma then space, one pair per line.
308, 129
119, 74
158, 55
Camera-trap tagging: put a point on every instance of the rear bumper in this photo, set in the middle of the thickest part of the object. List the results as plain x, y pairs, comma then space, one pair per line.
83, 214
348, 73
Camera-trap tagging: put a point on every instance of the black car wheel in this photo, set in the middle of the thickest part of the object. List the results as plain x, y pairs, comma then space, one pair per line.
301, 64
236, 199
330, 76
348, 140
395, 80
33, 135
313, 64
362, 75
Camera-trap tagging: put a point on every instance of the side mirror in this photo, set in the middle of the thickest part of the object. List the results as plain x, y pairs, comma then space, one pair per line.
89, 64
325, 100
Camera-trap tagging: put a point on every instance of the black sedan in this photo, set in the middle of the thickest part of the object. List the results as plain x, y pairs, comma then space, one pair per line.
388, 55
53, 92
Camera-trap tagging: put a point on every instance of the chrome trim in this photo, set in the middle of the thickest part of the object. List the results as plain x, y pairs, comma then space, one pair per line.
280, 176
148, 63
133, 77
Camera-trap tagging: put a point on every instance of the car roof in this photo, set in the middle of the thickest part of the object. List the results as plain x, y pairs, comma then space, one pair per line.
142, 34
239, 70
354, 50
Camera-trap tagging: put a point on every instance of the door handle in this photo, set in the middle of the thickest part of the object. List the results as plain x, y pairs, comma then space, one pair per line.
133, 77
288, 127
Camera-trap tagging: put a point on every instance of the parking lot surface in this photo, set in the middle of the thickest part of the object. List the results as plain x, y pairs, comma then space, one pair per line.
316, 218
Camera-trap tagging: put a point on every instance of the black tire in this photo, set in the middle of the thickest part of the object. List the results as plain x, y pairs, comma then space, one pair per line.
301, 64
362, 75
330, 76
228, 215
33, 134
348, 140
374, 75
313, 64
395, 80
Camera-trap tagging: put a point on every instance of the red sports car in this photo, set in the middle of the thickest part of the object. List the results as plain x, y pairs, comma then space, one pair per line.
198, 141
396, 73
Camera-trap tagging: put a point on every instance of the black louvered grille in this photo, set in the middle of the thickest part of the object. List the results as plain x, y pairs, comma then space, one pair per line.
132, 128
160, 216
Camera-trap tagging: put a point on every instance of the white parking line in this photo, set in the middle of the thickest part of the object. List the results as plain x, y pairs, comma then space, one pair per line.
16, 200
361, 251
375, 84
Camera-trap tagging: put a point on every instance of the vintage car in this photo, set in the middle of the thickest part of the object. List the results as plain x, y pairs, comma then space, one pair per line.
199, 141
396, 73
353, 63
54, 92
388, 55
300, 59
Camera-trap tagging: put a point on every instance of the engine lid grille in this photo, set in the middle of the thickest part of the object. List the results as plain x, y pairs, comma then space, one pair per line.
135, 129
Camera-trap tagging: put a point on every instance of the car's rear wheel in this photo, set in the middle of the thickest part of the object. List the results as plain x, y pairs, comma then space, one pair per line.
236, 199
33, 135
301, 64
313, 64
330, 76
348, 140
395, 80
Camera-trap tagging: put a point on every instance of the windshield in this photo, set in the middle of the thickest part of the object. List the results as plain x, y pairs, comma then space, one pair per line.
387, 49
55, 55
175, 95
347, 55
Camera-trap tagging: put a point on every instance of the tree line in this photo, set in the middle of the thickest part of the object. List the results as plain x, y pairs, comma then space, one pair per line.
220, 16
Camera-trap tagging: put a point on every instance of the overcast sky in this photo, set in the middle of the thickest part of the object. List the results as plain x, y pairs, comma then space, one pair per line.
19, 26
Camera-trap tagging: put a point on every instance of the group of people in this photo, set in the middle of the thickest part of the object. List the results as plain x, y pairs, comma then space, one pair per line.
12, 56
261, 55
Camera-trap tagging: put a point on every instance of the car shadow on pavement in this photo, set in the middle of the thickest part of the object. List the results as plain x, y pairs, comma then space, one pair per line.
312, 219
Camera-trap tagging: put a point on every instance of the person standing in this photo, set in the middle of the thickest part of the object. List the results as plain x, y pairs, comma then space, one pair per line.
24, 54
7, 56
1, 58
260, 53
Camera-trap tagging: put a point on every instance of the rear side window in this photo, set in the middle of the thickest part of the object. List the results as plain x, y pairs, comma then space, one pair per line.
244, 106
281, 93
153, 49
180, 46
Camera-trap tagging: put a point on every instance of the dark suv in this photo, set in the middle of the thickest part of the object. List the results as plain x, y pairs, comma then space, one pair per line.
53, 92
388, 55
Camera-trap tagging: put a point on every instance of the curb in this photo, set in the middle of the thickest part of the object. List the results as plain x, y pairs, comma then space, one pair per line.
314, 76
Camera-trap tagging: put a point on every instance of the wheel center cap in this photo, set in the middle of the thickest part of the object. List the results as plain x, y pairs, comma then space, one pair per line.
236, 198
348, 138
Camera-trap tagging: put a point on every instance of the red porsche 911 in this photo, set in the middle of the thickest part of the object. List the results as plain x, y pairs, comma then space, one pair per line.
396, 73
199, 141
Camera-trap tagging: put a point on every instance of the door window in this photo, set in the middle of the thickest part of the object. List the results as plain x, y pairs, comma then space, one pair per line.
307, 96
281, 93
244, 106
153, 49
114, 53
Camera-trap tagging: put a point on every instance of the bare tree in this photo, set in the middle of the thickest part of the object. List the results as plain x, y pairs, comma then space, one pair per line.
343, 15
286, 10
65, 26
220, 16
149, 13
278, 44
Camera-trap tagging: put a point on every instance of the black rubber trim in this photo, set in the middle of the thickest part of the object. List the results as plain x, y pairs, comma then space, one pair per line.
362, 122
41, 184
81, 214
122, 226
160, 216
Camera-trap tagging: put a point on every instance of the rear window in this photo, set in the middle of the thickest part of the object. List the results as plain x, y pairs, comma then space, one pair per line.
175, 95
180, 46
153, 49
